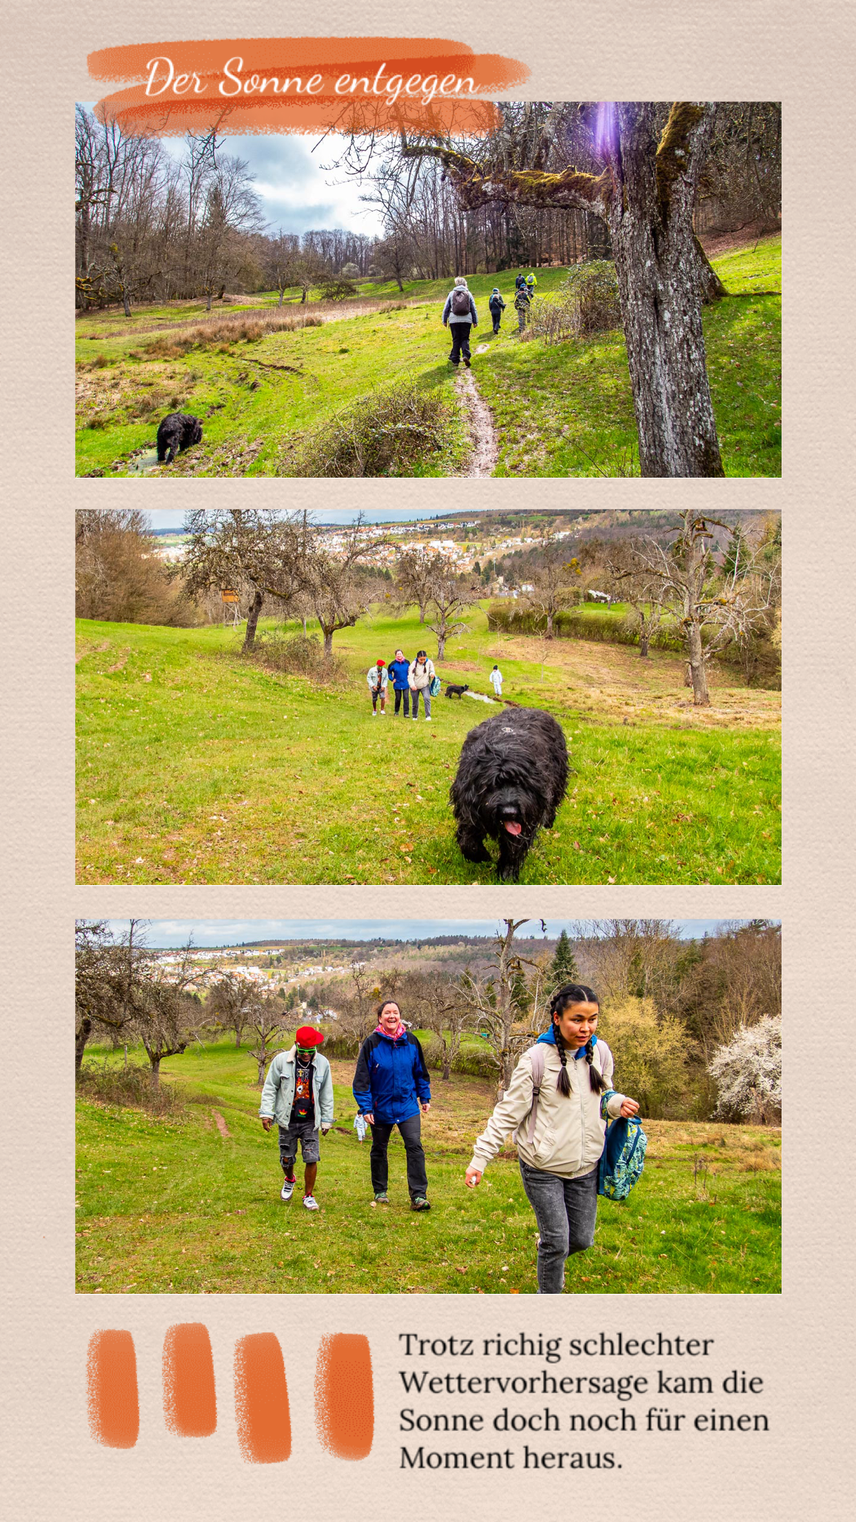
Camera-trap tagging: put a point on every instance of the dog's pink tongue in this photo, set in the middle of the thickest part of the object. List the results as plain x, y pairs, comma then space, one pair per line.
513, 829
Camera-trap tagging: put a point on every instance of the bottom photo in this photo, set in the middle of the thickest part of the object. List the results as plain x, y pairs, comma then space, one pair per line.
428, 1107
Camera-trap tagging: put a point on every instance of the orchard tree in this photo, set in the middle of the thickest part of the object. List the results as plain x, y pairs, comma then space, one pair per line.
494, 999
267, 1020
261, 552
646, 163
748, 1073
709, 610
338, 592
552, 581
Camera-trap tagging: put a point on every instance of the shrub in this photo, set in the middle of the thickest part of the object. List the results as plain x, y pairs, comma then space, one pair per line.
130, 1086
650, 1056
298, 655
386, 433
224, 331
586, 302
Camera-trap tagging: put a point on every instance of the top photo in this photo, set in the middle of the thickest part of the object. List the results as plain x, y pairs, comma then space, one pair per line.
589, 289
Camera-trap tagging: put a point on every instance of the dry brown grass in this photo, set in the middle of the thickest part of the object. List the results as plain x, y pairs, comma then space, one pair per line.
611, 682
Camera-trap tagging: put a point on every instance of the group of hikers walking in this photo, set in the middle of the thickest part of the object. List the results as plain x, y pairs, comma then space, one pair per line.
410, 681
460, 315
557, 1105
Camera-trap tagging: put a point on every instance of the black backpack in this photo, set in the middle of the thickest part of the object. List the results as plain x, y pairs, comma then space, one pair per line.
461, 301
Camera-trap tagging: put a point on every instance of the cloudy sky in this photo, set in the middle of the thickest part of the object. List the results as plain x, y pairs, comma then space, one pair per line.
233, 932
295, 191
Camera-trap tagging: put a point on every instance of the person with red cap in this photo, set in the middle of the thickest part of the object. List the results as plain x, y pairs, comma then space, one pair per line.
298, 1095
378, 681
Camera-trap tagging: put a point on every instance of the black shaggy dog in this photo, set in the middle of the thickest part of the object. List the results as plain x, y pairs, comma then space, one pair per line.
453, 690
511, 778
177, 431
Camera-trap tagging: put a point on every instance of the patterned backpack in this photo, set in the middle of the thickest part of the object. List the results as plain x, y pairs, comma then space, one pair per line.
623, 1156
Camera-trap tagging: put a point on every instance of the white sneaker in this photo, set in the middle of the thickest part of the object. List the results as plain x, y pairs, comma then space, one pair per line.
374, 713
383, 713
287, 1189
427, 719
310, 1202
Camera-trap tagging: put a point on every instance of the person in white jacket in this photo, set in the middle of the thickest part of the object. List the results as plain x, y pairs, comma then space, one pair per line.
419, 678
298, 1095
560, 1145
496, 681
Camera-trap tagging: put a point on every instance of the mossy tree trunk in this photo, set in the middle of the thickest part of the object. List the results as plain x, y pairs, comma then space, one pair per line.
646, 196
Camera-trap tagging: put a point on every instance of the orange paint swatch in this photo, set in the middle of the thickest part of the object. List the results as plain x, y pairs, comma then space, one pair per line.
261, 1400
344, 1395
114, 1406
189, 1397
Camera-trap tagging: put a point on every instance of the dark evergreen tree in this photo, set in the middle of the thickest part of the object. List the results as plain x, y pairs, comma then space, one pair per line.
564, 965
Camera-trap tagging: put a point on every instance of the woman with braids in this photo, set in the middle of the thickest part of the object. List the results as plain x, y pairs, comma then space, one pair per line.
559, 1129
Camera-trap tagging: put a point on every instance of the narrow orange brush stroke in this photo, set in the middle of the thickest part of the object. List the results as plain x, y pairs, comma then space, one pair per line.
344, 1395
287, 57
111, 1374
189, 1396
261, 1400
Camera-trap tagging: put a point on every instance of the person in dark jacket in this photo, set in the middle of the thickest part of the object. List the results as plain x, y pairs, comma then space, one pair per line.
391, 1085
497, 307
398, 670
460, 316
522, 303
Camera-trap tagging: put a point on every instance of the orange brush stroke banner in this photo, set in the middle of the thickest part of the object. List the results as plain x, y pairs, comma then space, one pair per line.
304, 84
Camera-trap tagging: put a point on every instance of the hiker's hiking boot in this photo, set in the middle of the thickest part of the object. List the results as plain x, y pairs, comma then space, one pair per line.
468, 365
419, 1203
287, 1189
310, 1202
382, 1198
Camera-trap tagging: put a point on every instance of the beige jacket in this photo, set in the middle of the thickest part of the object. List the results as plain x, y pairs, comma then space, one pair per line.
569, 1131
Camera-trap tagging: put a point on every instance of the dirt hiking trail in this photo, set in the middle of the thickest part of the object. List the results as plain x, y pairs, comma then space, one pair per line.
485, 448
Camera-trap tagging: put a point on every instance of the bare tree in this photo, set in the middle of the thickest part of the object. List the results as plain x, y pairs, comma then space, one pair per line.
231, 1002
262, 552
632, 584
413, 578
108, 972
495, 1002
266, 1019
552, 581
166, 1016
448, 595
439, 1006
709, 610
338, 593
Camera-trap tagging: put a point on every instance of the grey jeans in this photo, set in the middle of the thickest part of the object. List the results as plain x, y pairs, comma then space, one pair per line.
426, 698
566, 1212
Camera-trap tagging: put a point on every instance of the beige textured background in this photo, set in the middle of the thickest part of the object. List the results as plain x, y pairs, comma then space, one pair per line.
736, 49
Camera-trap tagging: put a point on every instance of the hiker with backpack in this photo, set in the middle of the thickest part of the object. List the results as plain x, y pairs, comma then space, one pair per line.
497, 307
460, 316
421, 677
558, 1104
522, 303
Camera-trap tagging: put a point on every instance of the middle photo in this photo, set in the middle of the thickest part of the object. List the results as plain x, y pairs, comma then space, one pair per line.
541, 697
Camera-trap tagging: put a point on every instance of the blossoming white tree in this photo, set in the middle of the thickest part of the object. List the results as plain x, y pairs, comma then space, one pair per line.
748, 1072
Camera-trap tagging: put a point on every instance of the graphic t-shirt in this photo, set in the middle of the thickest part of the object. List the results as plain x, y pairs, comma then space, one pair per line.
303, 1106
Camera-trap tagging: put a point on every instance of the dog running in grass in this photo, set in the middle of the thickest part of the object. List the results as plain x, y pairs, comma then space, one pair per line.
177, 431
455, 691
511, 778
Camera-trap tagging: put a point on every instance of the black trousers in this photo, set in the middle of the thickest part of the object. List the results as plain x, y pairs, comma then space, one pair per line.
411, 1129
402, 692
460, 332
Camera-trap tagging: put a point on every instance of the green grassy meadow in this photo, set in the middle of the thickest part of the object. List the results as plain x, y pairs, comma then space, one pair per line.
174, 1206
562, 410
195, 765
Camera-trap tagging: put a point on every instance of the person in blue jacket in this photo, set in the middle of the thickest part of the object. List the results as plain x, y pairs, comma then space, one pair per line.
397, 671
391, 1085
